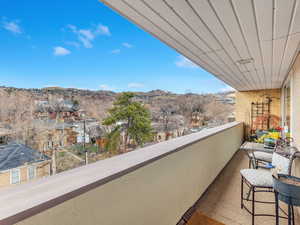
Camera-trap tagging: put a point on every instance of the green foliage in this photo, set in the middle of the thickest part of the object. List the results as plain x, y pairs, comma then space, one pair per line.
79, 149
113, 140
62, 154
134, 118
76, 102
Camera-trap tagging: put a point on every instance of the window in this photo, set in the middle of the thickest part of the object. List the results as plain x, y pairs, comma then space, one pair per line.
50, 144
31, 172
15, 176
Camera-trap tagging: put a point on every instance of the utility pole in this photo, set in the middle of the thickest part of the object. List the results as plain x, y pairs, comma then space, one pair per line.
84, 137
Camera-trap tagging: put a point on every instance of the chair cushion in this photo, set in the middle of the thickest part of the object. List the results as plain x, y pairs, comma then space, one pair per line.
267, 157
281, 163
258, 177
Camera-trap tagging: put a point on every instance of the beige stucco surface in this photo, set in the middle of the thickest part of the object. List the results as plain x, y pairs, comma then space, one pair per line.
294, 79
295, 111
295, 101
157, 193
243, 105
42, 170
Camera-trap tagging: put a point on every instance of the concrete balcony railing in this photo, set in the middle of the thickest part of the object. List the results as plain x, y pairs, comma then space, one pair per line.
153, 185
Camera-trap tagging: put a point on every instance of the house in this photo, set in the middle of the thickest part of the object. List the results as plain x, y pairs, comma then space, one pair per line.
61, 109
197, 120
4, 135
227, 99
162, 133
20, 163
50, 134
93, 133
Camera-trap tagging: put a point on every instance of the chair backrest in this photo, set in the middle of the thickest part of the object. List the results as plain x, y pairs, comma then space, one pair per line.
283, 143
284, 163
281, 163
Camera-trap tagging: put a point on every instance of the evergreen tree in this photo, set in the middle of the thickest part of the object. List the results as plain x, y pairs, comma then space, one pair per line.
130, 118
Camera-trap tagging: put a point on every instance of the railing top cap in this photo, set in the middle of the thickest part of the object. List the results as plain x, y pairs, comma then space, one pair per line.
48, 192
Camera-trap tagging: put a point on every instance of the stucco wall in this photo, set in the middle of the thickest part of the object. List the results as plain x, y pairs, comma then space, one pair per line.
294, 77
157, 193
4, 179
243, 106
295, 108
42, 170
295, 101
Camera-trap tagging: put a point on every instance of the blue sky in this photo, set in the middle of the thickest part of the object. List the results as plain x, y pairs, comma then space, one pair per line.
84, 44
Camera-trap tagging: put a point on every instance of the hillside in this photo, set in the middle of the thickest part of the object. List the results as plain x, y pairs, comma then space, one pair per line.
169, 110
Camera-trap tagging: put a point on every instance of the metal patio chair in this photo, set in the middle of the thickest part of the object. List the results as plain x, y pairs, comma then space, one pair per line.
260, 180
261, 158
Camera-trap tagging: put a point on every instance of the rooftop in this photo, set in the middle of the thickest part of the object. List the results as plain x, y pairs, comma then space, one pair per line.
14, 155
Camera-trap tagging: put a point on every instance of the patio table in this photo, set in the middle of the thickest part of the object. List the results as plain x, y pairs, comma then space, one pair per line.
253, 146
263, 155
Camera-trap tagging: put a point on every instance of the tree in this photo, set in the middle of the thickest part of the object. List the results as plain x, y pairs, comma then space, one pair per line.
113, 138
167, 113
131, 118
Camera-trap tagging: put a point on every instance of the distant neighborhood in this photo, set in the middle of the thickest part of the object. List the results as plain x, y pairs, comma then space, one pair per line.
47, 131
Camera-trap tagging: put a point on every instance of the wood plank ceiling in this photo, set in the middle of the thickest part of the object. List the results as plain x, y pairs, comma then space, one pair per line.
249, 44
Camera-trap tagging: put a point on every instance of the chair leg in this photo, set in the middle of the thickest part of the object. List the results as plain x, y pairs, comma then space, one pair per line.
253, 205
293, 215
290, 214
242, 193
276, 208
250, 162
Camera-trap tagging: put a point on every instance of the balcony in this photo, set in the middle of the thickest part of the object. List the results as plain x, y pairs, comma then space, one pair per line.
252, 46
221, 201
153, 185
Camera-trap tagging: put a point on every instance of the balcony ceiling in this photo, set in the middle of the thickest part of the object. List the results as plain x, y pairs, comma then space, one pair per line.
249, 44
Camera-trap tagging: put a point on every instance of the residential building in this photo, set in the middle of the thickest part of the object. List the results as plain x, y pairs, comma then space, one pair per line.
197, 120
49, 135
58, 109
168, 127
5, 134
89, 129
20, 163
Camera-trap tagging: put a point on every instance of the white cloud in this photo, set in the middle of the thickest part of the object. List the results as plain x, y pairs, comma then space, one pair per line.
106, 87
12, 26
50, 85
135, 85
87, 43
60, 51
127, 45
185, 63
115, 51
104, 30
72, 28
87, 36
227, 88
